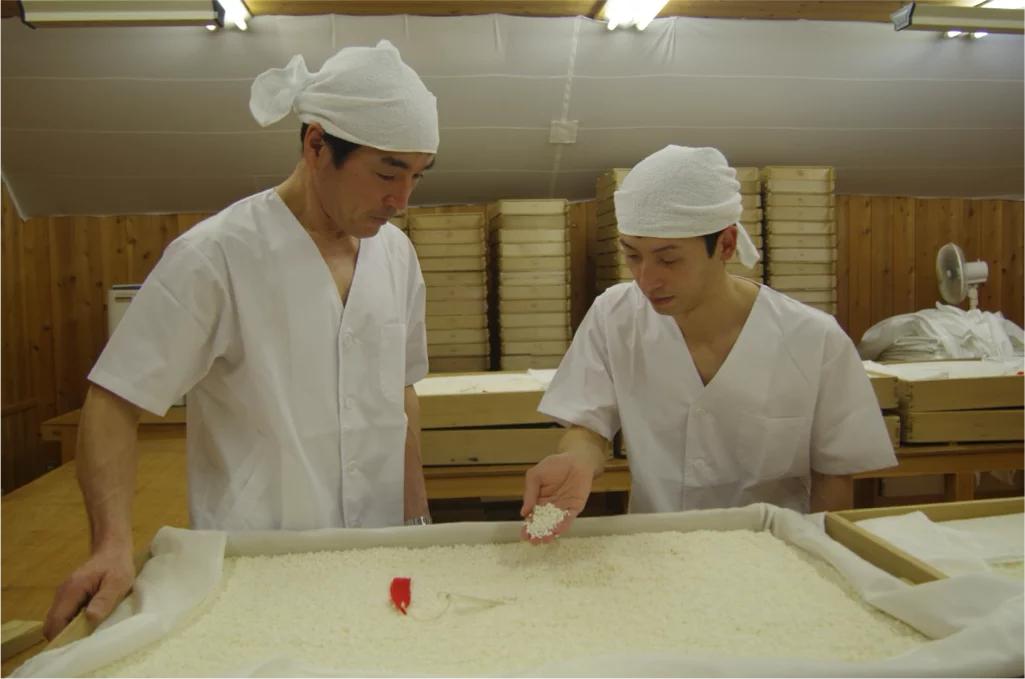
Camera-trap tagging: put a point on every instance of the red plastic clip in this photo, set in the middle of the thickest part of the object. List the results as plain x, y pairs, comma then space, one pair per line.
401, 593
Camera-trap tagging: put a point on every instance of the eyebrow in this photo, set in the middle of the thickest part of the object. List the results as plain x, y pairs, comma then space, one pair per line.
664, 248
402, 165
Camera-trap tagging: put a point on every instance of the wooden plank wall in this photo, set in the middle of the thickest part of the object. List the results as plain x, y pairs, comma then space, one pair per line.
56, 272
887, 255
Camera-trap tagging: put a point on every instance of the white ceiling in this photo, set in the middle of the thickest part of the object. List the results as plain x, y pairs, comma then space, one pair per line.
147, 120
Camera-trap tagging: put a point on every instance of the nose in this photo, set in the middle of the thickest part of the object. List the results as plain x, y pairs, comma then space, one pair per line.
399, 197
647, 278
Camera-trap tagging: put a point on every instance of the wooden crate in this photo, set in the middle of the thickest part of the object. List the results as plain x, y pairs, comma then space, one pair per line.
778, 269
531, 262
960, 408
787, 283
893, 428
885, 387
842, 527
452, 248
800, 223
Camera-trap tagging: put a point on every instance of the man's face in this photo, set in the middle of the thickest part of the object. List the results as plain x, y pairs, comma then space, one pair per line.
675, 274
368, 189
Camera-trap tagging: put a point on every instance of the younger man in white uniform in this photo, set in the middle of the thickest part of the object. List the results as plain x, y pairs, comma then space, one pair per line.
294, 321
728, 393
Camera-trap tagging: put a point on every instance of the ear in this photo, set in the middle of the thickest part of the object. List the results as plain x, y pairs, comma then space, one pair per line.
728, 242
315, 151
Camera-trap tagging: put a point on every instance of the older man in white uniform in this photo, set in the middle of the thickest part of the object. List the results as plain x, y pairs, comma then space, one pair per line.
728, 392
294, 322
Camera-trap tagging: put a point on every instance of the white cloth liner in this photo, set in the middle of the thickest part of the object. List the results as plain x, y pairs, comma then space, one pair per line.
953, 547
977, 620
683, 192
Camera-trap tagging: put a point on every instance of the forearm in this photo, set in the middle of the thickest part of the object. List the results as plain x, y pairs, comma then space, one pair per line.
586, 446
415, 490
105, 459
831, 493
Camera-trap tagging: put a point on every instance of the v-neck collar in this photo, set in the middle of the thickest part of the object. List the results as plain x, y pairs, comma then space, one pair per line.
302, 236
696, 384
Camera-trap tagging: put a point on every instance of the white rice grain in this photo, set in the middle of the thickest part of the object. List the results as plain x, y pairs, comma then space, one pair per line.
736, 593
543, 521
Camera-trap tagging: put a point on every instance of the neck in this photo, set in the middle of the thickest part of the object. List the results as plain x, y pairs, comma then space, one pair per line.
726, 304
298, 195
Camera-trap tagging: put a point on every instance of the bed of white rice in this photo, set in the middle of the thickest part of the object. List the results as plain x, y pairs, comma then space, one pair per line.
735, 593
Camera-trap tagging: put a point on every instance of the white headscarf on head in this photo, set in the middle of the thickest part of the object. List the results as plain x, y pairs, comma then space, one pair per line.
683, 192
366, 95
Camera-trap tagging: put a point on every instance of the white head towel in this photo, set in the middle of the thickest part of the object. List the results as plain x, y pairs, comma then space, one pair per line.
366, 95
683, 192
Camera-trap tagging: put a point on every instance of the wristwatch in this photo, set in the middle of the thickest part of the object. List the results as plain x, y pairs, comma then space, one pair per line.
419, 521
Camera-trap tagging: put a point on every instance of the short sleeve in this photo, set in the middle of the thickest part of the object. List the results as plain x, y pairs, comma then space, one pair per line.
416, 325
582, 392
849, 434
173, 330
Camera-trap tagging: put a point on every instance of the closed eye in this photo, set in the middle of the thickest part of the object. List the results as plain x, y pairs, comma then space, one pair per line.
386, 177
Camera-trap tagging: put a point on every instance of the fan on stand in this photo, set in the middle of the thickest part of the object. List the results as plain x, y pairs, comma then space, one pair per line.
957, 278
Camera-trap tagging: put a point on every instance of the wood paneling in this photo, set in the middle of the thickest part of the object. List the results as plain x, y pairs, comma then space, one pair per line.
28, 386
888, 246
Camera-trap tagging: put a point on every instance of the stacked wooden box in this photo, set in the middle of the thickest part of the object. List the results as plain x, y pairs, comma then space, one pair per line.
960, 408
491, 418
751, 219
885, 387
531, 264
800, 226
452, 248
610, 262
401, 221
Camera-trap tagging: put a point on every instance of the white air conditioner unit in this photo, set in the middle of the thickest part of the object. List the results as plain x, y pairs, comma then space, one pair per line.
118, 299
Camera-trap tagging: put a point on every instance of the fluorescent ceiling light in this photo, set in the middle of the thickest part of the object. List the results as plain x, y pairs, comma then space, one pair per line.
1003, 4
235, 12
931, 17
118, 12
626, 13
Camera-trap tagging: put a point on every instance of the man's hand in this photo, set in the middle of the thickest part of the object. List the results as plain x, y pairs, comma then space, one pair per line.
561, 480
98, 585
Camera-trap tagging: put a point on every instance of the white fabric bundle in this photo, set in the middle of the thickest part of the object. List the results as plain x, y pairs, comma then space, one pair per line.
366, 95
943, 332
683, 192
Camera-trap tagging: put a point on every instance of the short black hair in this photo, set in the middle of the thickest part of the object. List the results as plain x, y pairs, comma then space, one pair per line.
340, 148
711, 240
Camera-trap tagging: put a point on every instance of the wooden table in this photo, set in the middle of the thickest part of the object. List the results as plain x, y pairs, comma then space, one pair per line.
958, 464
64, 429
46, 534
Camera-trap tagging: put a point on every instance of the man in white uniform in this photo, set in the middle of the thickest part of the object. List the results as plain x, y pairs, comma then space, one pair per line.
728, 392
294, 322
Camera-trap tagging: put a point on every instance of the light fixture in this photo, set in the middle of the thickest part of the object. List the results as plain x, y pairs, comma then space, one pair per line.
626, 13
953, 34
987, 18
59, 13
980, 34
234, 12
1003, 4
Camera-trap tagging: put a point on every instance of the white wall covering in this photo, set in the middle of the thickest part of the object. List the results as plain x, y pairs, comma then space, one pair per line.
145, 120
